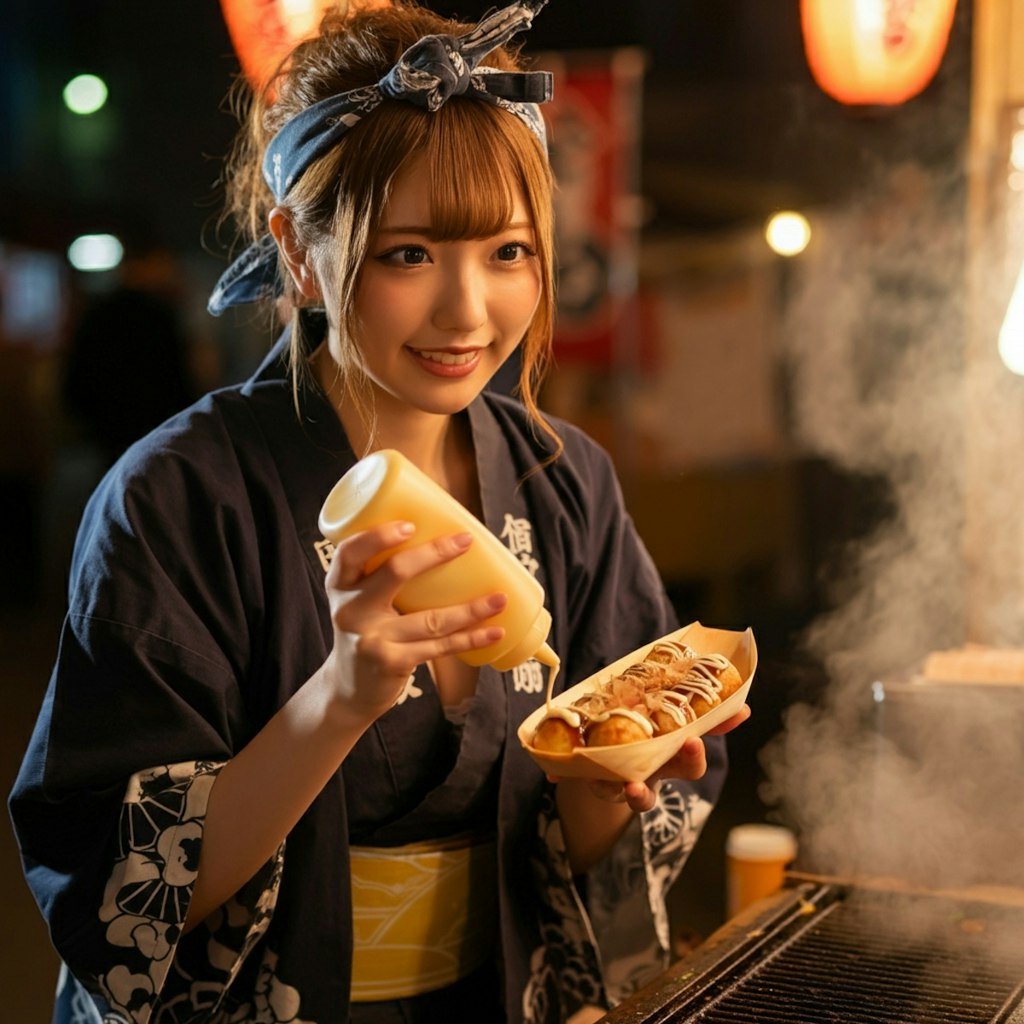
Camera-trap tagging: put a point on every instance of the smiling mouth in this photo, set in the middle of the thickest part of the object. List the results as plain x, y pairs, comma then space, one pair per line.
448, 358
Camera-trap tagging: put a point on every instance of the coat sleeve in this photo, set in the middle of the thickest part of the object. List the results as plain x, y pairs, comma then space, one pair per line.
143, 707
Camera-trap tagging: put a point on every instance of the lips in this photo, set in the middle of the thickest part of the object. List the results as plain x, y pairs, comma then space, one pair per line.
448, 358
443, 363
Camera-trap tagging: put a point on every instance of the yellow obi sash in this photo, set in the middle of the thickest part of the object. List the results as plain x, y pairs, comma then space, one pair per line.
424, 915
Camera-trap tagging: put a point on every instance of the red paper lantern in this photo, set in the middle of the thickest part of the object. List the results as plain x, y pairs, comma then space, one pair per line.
263, 32
875, 51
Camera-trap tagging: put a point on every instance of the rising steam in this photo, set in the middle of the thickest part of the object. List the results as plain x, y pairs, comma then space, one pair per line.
923, 791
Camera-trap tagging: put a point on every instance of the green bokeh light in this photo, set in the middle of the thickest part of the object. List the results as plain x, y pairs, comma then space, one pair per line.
85, 94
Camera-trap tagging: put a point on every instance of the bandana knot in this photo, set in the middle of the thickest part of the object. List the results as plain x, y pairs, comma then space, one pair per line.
429, 73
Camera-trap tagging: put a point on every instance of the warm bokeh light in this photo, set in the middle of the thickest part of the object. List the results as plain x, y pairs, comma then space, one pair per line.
1011, 336
788, 233
868, 52
95, 252
263, 34
85, 94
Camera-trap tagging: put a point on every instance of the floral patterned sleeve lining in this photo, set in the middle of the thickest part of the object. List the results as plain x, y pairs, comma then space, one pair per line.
627, 892
155, 974
598, 950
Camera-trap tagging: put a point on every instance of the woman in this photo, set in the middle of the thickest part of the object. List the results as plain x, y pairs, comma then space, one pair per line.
241, 732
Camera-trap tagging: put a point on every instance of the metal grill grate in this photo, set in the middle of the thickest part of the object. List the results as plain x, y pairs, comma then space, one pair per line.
840, 954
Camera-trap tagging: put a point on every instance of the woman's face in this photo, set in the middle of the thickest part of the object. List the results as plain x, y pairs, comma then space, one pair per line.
437, 319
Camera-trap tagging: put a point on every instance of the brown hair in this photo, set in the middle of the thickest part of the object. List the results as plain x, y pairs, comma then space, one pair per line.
478, 156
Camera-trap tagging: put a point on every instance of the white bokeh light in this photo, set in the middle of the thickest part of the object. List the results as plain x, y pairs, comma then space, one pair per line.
1011, 335
788, 233
95, 252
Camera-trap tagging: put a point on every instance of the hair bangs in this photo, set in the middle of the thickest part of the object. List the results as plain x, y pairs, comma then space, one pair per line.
475, 162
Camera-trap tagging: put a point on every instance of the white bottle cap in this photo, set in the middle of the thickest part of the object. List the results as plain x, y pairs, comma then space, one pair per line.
761, 842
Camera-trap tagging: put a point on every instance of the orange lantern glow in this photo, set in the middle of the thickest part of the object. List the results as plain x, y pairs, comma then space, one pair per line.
875, 51
263, 32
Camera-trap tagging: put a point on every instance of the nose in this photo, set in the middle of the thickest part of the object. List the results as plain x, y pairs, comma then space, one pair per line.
461, 302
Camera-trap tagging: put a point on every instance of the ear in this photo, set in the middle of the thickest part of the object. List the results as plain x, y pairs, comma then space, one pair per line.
297, 257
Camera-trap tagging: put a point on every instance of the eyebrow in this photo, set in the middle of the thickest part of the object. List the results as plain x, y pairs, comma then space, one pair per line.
415, 229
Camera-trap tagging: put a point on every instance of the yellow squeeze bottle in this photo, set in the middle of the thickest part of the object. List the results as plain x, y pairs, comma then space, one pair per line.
386, 486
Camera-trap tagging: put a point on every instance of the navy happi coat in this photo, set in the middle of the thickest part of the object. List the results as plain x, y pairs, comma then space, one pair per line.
197, 608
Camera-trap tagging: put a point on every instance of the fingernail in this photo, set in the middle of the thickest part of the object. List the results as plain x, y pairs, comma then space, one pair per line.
405, 529
463, 540
497, 601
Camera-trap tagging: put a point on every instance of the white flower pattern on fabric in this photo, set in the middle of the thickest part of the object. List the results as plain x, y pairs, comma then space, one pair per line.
565, 972
602, 955
145, 903
627, 892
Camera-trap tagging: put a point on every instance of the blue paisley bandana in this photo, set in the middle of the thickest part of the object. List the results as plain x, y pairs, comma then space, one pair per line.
429, 73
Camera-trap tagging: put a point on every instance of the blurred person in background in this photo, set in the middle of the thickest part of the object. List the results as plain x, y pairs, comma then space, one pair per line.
129, 362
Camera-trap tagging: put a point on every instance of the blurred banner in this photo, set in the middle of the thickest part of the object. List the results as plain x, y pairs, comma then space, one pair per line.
594, 129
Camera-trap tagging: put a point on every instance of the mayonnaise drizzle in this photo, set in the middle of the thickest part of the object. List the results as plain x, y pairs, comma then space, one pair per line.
633, 716
703, 677
573, 718
676, 705
700, 679
675, 650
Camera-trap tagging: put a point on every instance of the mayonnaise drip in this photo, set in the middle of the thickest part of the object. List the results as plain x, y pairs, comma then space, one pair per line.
546, 656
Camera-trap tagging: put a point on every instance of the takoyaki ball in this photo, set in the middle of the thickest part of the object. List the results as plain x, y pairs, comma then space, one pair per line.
712, 680
668, 652
555, 735
618, 728
669, 711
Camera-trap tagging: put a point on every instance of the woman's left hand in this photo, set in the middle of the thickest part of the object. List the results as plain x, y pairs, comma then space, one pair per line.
690, 763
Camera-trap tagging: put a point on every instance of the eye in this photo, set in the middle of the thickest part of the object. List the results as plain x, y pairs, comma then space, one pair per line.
405, 256
510, 252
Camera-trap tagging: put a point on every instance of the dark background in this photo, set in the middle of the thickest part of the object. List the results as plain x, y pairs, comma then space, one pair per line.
734, 126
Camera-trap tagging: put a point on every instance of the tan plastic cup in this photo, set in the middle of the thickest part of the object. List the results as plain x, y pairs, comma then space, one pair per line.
756, 859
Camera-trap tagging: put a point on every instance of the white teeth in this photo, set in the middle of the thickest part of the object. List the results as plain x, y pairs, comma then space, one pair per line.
448, 358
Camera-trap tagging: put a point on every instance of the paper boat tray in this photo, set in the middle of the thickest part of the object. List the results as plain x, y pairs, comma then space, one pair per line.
635, 762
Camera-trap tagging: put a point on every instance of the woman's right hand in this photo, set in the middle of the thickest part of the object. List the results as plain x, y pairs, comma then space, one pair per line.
376, 647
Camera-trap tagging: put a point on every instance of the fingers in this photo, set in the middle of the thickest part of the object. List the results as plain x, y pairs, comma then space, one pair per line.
610, 791
436, 623
367, 572
689, 763
351, 556
452, 629
639, 796
377, 562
